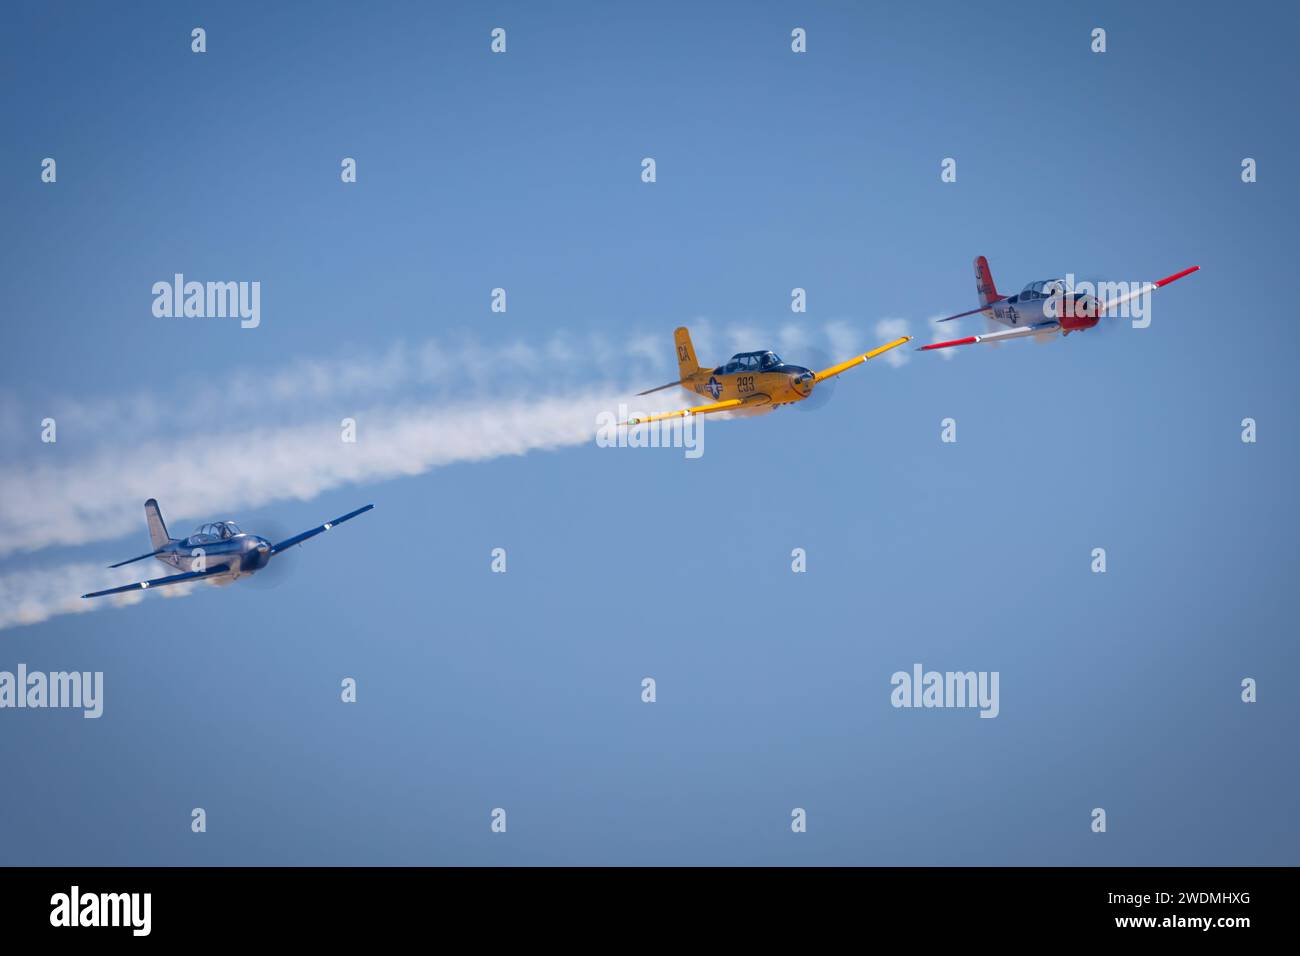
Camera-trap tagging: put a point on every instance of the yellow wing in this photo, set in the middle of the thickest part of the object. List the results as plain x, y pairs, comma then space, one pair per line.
697, 410
845, 366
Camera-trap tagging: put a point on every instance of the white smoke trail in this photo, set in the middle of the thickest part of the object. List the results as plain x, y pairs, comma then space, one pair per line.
99, 498
135, 451
32, 595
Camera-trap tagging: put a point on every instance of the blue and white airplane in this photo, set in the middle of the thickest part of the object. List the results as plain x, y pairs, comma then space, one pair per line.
218, 551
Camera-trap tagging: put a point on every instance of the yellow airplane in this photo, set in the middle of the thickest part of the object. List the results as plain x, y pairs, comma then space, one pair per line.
749, 380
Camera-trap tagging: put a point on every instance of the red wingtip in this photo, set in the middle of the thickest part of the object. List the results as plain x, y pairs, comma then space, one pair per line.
943, 345
1175, 277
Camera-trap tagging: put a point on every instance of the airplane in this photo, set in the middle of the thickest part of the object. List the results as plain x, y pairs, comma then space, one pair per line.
749, 380
218, 551
1042, 309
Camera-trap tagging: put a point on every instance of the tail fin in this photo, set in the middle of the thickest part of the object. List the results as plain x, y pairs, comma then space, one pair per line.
686, 363
988, 292
157, 530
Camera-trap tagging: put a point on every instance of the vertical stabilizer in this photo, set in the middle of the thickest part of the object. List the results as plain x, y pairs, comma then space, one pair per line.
157, 530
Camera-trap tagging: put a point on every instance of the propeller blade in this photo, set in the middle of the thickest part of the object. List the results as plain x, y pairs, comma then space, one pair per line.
824, 391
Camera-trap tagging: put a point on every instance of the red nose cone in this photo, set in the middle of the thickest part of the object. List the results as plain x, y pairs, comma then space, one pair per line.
1078, 313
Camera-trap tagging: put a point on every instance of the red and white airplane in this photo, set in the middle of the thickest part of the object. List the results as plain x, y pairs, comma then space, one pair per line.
1046, 308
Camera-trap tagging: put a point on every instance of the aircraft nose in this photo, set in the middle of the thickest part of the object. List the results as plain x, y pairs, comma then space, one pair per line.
257, 555
804, 381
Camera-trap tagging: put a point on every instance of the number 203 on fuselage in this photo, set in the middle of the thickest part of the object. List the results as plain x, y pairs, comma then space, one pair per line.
749, 380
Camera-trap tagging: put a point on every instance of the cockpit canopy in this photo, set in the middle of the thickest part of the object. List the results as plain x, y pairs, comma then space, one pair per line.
1042, 289
215, 531
751, 362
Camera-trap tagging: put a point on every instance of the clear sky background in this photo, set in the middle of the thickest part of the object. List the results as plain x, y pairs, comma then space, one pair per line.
476, 431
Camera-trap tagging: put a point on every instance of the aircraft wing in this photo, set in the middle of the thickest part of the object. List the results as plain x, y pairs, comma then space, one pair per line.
1001, 336
1143, 289
298, 539
702, 409
858, 360
159, 582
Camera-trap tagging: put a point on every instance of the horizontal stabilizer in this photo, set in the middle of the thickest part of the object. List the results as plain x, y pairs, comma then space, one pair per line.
962, 315
659, 388
140, 558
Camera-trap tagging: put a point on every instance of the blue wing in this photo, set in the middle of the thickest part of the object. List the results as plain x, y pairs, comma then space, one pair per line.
158, 582
298, 539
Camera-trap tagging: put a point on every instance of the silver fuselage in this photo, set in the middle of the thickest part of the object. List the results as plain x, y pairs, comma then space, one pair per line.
244, 553
1073, 312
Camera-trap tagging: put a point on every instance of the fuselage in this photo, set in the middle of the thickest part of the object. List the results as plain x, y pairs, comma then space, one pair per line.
779, 384
244, 553
1034, 306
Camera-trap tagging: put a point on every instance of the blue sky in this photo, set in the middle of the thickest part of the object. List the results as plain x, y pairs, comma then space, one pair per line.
476, 431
